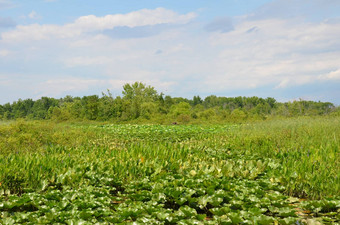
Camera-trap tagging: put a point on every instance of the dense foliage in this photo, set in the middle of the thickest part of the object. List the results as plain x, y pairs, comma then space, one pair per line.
142, 103
283, 171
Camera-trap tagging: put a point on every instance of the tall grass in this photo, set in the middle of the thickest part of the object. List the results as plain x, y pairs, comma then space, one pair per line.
306, 148
303, 153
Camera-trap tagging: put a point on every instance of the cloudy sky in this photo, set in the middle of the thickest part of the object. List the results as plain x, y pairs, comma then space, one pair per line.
286, 49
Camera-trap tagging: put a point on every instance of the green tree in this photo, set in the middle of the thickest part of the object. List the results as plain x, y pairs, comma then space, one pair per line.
22, 108
271, 101
168, 102
148, 109
182, 108
137, 94
139, 91
197, 100
211, 101
90, 106
238, 115
208, 114
41, 106
2, 111
106, 106
263, 109
7, 111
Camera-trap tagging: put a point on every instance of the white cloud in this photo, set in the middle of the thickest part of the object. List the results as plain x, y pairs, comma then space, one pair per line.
273, 53
280, 54
134, 19
6, 4
33, 15
87, 61
93, 23
298, 80
4, 53
333, 75
284, 52
58, 87
64, 86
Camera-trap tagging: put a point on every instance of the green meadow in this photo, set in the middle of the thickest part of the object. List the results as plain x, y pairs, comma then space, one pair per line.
278, 171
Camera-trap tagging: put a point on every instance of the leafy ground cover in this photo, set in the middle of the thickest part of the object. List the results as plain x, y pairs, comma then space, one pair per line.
273, 172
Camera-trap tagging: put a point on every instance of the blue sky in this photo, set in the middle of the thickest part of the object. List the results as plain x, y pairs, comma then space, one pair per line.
283, 48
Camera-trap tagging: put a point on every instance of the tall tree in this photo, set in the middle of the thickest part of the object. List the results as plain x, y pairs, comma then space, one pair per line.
137, 94
41, 107
90, 104
197, 100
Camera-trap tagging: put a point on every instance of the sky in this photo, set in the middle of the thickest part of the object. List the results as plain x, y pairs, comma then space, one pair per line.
286, 49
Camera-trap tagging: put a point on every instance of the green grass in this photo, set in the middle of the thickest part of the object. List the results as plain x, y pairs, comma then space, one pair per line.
276, 171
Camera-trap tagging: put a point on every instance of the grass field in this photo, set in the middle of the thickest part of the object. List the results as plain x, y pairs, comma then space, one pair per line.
272, 172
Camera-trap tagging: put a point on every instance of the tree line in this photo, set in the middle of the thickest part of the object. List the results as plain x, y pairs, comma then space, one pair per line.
140, 102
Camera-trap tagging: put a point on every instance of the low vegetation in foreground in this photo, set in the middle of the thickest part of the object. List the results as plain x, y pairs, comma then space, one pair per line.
271, 172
